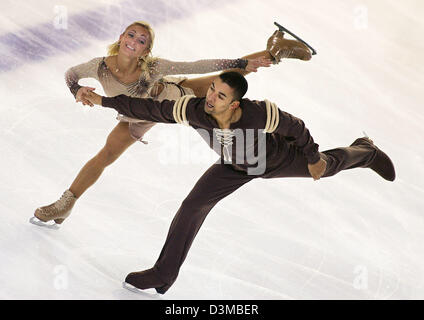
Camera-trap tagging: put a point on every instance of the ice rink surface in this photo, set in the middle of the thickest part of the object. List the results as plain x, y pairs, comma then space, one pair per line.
352, 236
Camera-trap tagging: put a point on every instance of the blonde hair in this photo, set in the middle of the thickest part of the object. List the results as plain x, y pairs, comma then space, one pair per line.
144, 62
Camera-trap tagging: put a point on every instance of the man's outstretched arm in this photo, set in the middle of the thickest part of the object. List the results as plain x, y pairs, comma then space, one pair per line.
138, 108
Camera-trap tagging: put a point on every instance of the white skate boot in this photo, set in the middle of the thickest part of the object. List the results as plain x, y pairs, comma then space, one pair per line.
57, 211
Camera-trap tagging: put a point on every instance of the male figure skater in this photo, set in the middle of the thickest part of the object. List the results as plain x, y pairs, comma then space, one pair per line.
237, 129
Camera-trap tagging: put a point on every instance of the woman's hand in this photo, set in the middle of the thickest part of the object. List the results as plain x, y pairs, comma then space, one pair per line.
254, 64
93, 98
82, 95
317, 169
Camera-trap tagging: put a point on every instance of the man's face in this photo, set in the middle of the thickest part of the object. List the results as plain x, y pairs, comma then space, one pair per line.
219, 98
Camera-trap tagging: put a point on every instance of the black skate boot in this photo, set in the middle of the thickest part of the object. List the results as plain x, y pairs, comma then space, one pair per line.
138, 281
381, 162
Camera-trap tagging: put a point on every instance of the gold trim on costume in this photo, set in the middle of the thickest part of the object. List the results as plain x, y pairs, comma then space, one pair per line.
273, 117
180, 107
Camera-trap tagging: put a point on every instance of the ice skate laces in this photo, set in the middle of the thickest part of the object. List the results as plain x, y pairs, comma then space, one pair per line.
287, 53
65, 201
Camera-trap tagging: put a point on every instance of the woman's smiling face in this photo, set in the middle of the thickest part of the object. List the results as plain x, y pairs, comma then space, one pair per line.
135, 41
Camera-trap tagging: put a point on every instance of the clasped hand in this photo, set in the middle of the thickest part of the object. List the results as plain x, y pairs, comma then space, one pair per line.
87, 96
317, 169
254, 64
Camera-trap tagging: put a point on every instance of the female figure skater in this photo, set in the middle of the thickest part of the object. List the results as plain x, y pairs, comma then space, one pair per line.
130, 69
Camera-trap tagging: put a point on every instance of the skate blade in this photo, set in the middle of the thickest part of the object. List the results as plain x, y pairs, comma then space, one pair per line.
281, 28
49, 224
145, 293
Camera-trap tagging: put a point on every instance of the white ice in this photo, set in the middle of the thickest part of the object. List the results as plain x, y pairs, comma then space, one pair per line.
352, 236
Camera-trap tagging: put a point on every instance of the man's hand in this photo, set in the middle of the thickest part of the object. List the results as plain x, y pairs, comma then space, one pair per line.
317, 169
93, 98
254, 64
82, 94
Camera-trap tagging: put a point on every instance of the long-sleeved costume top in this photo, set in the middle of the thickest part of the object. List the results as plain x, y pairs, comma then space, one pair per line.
97, 69
245, 144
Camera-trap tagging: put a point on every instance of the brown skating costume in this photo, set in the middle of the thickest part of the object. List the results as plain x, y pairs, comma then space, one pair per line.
289, 148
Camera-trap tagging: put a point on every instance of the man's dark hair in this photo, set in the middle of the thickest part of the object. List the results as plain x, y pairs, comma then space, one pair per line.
237, 82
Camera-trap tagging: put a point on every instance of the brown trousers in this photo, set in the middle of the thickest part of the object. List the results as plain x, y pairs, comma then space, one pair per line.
219, 181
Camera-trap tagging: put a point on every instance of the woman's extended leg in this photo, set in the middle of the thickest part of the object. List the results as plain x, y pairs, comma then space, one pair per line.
117, 142
277, 48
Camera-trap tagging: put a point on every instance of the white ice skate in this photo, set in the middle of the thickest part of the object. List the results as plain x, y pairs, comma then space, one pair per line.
53, 215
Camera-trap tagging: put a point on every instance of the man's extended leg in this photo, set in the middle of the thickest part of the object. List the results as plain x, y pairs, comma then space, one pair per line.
216, 183
362, 153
